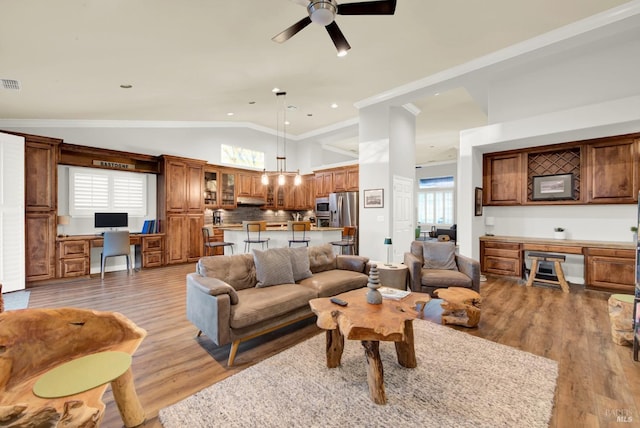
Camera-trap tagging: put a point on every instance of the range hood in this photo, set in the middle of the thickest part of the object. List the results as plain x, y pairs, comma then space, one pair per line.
250, 201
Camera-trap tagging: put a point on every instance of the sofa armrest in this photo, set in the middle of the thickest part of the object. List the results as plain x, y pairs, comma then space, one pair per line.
211, 314
414, 264
213, 286
471, 268
349, 262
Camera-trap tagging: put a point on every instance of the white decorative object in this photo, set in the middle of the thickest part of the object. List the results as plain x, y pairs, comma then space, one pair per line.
559, 233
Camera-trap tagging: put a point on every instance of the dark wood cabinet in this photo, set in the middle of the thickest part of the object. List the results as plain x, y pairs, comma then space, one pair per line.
613, 171
353, 179
503, 179
610, 269
181, 203
74, 258
501, 258
152, 251
41, 205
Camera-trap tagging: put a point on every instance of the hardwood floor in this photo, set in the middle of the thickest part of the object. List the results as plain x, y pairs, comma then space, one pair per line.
598, 381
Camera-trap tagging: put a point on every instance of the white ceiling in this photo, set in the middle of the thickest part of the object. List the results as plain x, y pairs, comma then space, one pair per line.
198, 60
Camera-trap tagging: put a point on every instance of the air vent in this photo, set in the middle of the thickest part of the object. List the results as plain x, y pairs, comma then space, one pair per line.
10, 84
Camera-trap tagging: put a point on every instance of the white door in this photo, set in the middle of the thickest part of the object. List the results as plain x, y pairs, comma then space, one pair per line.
12, 274
403, 224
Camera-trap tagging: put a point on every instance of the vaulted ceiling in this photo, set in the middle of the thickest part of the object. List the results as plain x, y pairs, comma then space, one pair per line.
202, 60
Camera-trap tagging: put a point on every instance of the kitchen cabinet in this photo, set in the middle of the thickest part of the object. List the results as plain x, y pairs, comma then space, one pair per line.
323, 184
211, 199
181, 204
353, 179
227, 189
73, 258
613, 171
250, 184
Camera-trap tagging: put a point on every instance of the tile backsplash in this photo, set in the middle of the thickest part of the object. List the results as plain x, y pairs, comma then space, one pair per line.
241, 214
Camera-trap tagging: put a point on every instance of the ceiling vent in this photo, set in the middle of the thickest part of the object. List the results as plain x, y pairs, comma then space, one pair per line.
10, 84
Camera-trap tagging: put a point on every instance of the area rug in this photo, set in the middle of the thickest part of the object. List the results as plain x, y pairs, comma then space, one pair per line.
16, 300
460, 381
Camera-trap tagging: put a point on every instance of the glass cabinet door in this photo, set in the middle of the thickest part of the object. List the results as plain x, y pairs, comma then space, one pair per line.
211, 189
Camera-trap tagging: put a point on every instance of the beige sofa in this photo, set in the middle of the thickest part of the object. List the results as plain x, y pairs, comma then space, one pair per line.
238, 297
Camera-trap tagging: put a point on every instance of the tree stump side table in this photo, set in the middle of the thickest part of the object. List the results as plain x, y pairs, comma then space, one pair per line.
461, 306
621, 318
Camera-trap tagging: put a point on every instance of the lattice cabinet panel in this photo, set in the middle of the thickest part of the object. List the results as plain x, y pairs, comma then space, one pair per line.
556, 162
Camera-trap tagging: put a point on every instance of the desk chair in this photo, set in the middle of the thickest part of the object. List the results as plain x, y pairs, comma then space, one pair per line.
208, 244
299, 232
116, 243
253, 235
348, 241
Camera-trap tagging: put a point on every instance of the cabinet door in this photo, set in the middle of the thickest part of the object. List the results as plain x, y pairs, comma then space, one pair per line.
177, 238
503, 179
40, 176
194, 246
353, 177
318, 186
339, 181
195, 202
176, 185
244, 184
227, 187
40, 245
258, 189
610, 269
613, 171
211, 200
327, 183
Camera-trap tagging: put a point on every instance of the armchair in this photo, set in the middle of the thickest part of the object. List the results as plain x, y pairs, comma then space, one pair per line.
434, 265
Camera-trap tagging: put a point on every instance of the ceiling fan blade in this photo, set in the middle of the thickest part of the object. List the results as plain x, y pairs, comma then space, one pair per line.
304, 3
337, 37
382, 7
291, 31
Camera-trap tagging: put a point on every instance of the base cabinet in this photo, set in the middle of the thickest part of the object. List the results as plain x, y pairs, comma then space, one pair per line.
152, 251
612, 270
40, 245
73, 258
501, 258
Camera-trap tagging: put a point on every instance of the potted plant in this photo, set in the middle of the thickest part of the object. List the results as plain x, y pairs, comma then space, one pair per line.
634, 230
559, 233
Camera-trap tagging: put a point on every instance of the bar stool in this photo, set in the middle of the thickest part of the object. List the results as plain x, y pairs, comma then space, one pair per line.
348, 240
297, 229
208, 244
557, 259
253, 236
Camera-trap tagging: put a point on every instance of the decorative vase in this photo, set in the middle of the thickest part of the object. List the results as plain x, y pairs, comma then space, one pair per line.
559, 235
373, 295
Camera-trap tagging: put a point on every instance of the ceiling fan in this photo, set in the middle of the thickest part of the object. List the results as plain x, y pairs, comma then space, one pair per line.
323, 12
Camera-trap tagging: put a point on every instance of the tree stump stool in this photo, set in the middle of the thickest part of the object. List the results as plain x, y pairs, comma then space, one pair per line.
461, 306
621, 318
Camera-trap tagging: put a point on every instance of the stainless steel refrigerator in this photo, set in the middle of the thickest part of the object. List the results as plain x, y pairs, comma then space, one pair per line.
343, 211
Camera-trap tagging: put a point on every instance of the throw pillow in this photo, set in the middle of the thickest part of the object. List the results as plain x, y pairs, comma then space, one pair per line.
322, 258
300, 263
273, 267
439, 255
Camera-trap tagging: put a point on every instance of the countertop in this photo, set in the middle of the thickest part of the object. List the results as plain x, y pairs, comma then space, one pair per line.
561, 242
275, 227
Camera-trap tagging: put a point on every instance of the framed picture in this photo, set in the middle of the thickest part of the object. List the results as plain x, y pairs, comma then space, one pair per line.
374, 198
552, 187
478, 201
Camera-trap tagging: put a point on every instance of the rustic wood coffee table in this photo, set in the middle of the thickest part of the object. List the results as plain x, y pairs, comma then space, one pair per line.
390, 321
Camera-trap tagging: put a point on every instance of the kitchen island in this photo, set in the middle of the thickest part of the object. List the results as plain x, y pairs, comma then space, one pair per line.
279, 236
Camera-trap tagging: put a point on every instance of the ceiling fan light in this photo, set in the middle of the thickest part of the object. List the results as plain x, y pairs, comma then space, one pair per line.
322, 12
342, 52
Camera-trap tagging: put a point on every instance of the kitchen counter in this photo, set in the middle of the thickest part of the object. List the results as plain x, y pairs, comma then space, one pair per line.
279, 236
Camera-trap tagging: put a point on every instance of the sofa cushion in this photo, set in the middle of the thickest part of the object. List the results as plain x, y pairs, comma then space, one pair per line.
238, 271
444, 278
300, 263
273, 267
257, 305
321, 258
439, 255
336, 281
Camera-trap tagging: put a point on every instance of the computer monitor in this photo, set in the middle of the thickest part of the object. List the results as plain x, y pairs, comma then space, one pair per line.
111, 220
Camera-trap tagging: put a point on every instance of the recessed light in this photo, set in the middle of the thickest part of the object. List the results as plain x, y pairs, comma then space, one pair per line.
230, 113
334, 105
286, 122
126, 86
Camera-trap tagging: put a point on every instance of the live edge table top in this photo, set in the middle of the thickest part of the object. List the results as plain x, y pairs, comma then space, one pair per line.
360, 320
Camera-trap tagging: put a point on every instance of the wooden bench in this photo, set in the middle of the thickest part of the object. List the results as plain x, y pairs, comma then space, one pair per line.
557, 259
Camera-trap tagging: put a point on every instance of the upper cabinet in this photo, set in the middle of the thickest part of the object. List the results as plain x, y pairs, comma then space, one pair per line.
250, 184
613, 171
344, 179
40, 173
503, 177
219, 188
601, 171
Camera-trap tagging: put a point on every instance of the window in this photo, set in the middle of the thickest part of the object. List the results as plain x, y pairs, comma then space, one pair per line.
92, 190
240, 156
436, 201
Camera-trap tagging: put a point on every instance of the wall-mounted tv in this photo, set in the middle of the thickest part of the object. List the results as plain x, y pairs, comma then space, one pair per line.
111, 220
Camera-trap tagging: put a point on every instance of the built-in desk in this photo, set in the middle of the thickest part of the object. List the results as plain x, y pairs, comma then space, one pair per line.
608, 265
73, 252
